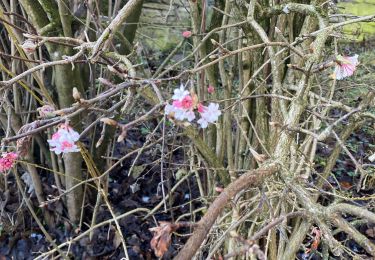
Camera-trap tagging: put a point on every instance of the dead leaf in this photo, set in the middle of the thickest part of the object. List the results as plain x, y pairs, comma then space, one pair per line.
122, 136
257, 156
109, 121
346, 185
370, 232
371, 158
23, 144
180, 173
194, 98
317, 235
137, 170
162, 237
117, 239
135, 187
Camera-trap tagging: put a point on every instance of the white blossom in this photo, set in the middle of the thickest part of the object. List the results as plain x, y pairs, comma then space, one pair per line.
180, 93
203, 122
169, 109
209, 114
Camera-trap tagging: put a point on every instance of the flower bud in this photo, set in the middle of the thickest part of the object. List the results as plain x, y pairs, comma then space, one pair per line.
29, 46
186, 34
76, 94
46, 111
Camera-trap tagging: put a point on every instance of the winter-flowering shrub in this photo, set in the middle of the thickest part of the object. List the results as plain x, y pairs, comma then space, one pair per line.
7, 161
64, 140
184, 104
345, 66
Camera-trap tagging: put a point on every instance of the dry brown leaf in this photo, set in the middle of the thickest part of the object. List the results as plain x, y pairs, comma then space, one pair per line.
23, 144
117, 239
346, 185
370, 232
194, 98
317, 236
109, 121
257, 156
162, 237
122, 136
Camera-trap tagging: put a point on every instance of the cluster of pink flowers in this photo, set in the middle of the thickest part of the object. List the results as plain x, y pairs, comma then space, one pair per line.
64, 140
7, 161
184, 104
345, 66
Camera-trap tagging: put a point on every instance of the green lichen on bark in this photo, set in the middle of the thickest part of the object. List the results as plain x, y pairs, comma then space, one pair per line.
36, 13
45, 14
65, 80
51, 9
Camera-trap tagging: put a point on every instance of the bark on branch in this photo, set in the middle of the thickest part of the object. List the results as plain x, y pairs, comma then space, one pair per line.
252, 178
108, 33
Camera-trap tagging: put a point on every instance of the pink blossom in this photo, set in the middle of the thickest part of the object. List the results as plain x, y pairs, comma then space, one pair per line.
210, 89
201, 108
7, 161
187, 102
64, 140
345, 66
67, 145
177, 103
209, 115
56, 135
182, 105
186, 34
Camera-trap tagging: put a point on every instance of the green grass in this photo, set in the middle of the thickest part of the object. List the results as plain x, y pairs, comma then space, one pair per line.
359, 7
